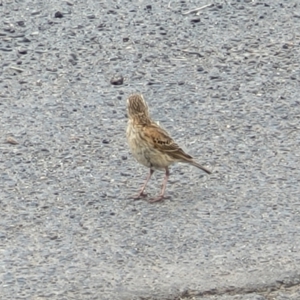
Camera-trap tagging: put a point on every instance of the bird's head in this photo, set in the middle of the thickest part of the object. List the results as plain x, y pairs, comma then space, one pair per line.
137, 106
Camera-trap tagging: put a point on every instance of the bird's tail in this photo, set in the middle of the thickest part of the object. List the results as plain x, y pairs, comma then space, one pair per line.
192, 162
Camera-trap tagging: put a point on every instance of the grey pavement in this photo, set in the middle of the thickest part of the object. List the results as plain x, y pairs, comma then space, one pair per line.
224, 83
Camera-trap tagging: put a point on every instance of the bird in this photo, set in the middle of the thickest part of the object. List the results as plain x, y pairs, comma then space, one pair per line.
151, 145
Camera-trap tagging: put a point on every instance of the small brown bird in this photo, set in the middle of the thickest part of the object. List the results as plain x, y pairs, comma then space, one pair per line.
151, 145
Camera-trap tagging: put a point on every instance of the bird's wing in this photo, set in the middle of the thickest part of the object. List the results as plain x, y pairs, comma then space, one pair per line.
161, 140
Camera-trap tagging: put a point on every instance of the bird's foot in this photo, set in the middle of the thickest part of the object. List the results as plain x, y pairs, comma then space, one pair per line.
159, 198
139, 196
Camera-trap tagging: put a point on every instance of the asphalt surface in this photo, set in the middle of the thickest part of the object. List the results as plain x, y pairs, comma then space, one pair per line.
224, 83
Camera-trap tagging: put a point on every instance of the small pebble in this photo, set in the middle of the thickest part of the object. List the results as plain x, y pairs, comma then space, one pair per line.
117, 80
11, 140
22, 51
58, 14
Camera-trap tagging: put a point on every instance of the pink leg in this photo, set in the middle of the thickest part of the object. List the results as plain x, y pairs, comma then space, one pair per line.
162, 193
141, 193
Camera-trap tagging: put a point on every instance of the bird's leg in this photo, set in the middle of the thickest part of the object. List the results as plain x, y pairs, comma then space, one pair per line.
141, 193
163, 188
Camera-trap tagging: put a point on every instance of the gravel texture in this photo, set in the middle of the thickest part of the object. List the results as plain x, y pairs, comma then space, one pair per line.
225, 83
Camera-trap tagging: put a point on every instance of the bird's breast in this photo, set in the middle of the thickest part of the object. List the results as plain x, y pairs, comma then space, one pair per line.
143, 150
137, 144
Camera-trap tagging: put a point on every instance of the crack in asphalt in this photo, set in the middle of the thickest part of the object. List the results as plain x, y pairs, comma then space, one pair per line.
264, 289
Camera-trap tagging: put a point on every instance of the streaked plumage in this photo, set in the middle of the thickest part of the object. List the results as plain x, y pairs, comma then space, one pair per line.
151, 145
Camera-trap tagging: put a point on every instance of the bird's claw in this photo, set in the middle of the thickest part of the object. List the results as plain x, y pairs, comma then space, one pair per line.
139, 196
159, 198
